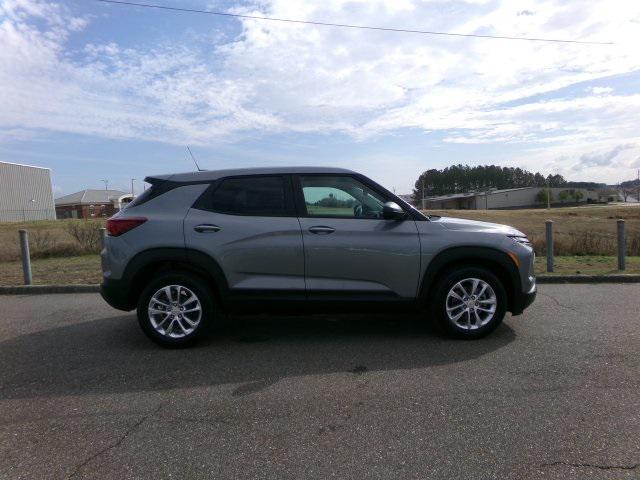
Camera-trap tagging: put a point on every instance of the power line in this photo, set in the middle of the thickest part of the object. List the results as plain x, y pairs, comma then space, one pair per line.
344, 25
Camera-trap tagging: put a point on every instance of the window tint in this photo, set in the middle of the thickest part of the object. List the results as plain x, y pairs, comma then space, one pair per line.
336, 196
259, 196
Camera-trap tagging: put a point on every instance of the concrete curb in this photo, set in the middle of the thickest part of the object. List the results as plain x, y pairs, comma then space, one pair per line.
41, 289
541, 279
619, 278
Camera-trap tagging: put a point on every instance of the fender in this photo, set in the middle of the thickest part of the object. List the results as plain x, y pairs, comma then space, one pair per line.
491, 257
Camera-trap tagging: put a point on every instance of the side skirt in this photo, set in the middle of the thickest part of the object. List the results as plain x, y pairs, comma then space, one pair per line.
295, 302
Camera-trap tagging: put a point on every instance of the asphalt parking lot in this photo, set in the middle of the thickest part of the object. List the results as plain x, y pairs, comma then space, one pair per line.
553, 393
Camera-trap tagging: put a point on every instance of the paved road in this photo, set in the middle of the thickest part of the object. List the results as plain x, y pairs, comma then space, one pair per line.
552, 394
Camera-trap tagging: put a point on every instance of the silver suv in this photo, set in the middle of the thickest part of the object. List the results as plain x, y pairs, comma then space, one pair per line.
194, 245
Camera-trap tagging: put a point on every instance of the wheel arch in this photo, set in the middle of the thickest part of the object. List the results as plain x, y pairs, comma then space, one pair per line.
494, 260
148, 263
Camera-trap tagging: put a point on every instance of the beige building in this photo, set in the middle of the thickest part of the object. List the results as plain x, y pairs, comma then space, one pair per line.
25, 193
524, 197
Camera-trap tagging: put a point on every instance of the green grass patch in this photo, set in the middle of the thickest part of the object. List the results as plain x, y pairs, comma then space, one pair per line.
587, 265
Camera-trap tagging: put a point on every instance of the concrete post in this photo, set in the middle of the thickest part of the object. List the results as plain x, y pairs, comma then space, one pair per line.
549, 231
103, 235
26, 259
622, 245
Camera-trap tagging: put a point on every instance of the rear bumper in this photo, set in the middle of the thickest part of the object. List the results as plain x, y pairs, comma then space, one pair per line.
116, 294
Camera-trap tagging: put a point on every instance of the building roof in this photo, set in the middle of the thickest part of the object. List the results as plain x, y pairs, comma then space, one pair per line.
509, 190
23, 165
90, 197
207, 175
453, 196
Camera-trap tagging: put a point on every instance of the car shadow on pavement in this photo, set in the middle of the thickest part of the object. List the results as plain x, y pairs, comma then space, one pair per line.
111, 355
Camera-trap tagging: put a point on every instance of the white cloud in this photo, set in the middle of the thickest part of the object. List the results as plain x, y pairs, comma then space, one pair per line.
600, 90
279, 77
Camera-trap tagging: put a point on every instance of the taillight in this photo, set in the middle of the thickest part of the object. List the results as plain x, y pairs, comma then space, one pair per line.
118, 226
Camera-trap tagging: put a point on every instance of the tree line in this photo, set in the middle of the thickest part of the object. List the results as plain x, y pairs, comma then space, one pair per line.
630, 184
464, 178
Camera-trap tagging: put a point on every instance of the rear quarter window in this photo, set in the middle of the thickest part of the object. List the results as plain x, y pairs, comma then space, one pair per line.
156, 189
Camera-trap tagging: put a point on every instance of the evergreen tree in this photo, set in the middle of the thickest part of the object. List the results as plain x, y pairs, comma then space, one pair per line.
464, 178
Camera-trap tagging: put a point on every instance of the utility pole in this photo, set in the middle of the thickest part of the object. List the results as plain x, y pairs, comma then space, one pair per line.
423, 202
638, 191
106, 184
132, 193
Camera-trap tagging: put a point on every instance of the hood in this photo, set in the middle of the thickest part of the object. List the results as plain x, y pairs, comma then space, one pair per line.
475, 226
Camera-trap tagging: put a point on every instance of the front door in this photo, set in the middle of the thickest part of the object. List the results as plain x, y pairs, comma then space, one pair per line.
248, 225
351, 251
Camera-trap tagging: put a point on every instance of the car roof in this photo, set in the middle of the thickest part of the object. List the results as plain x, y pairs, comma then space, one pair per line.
209, 175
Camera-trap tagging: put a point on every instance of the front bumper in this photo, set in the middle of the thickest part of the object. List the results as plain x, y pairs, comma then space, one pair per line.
523, 300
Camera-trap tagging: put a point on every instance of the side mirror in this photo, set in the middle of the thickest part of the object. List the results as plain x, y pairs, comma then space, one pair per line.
392, 211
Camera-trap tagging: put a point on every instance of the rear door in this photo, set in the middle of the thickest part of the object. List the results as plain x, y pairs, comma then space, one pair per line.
248, 225
350, 250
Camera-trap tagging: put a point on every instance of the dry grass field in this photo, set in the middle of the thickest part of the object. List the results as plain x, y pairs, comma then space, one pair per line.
86, 268
82, 269
47, 238
65, 251
588, 230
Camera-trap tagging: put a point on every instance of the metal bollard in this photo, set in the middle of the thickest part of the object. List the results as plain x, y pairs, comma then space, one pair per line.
622, 245
549, 230
26, 259
103, 235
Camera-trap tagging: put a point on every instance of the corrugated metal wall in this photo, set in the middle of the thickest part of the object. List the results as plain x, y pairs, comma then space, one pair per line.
25, 193
527, 197
513, 198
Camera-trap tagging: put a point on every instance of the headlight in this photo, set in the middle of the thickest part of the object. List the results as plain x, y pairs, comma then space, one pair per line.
521, 239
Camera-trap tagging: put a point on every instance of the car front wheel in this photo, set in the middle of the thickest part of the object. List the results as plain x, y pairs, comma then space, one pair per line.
175, 309
471, 302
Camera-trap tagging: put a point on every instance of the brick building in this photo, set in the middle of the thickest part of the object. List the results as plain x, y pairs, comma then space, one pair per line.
91, 203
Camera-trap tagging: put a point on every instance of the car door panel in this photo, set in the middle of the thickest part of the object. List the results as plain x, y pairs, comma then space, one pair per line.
256, 253
248, 225
364, 255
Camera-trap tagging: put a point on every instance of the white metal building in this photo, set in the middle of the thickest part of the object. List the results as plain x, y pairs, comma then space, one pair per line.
25, 193
524, 197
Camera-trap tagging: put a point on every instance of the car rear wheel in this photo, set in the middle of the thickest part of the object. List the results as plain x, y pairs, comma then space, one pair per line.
470, 303
175, 309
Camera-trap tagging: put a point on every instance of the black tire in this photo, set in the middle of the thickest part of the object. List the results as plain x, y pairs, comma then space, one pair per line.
191, 282
439, 304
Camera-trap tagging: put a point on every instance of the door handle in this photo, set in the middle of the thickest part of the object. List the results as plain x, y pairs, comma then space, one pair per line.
322, 230
207, 228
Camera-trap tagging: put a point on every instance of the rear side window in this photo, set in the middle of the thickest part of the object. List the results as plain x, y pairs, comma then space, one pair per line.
263, 196
156, 189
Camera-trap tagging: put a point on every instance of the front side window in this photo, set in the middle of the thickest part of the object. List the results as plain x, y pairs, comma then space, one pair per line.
258, 196
339, 196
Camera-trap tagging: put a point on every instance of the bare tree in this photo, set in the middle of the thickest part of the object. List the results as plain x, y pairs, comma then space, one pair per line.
628, 192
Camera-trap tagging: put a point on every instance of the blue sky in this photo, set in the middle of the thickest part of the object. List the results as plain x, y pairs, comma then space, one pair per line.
96, 91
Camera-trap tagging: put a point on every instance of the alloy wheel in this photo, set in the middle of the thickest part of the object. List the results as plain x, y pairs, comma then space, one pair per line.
471, 304
174, 311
